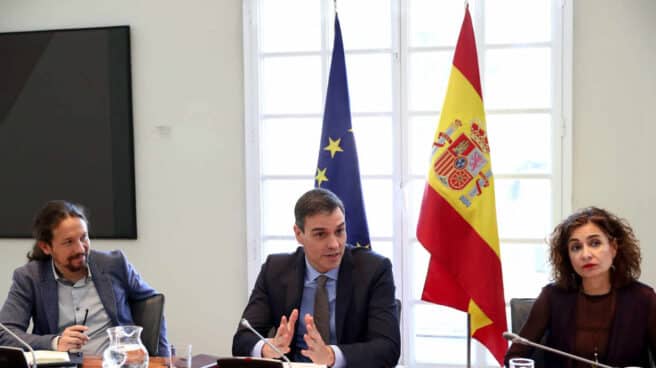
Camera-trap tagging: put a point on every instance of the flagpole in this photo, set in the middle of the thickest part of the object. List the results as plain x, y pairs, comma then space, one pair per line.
468, 340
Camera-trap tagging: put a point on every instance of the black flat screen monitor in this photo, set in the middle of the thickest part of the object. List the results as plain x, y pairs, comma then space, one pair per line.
66, 128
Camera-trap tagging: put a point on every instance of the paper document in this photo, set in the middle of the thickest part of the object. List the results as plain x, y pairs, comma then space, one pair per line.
47, 356
241, 362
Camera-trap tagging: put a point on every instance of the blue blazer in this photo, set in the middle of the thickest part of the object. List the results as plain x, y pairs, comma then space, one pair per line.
34, 295
366, 322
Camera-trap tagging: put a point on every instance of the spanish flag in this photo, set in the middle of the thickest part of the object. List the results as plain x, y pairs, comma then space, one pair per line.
457, 223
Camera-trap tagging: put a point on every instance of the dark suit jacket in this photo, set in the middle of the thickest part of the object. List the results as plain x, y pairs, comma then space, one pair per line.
366, 323
33, 295
631, 335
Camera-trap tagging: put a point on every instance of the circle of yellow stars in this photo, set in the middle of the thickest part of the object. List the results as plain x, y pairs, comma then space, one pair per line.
333, 147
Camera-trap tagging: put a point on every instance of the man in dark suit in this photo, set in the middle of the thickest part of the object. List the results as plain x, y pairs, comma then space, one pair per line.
357, 327
72, 294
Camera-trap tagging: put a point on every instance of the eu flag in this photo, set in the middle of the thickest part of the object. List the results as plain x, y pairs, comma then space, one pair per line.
337, 169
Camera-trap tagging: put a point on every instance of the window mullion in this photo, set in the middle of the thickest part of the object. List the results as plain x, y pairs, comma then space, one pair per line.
399, 126
327, 9
562, 30
252, 120
426, 44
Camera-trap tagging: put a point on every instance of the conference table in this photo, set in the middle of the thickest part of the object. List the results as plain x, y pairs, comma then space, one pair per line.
96, 362
200, 360
154, 362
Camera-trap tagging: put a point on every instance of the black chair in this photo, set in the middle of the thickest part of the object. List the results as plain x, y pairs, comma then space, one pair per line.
148, 314
519, 311
520, 308
397, 303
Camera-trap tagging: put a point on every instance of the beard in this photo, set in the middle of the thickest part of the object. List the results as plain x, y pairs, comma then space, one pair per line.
70, 266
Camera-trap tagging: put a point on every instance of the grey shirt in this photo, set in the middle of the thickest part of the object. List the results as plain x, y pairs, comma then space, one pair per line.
74, 301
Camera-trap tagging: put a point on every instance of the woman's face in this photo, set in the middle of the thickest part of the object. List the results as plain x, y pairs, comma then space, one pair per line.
591, 252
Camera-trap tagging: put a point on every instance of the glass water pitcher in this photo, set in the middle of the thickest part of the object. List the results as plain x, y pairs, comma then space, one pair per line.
125, 348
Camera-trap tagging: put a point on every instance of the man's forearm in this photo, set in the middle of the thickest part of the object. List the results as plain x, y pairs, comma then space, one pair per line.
37, 342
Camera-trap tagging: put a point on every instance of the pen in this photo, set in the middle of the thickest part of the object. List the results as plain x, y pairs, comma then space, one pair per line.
86, 314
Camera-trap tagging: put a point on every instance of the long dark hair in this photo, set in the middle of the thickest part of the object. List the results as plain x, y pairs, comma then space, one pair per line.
627, 260
47, 219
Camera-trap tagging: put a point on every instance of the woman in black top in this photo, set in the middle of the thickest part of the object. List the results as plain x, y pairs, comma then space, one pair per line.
595, 308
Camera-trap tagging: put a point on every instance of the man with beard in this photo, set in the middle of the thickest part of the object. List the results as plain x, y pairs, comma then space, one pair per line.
72, 294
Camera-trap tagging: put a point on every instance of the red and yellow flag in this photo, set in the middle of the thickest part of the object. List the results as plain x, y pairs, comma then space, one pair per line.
457, 222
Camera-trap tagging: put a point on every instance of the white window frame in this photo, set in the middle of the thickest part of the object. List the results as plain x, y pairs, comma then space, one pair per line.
562, 30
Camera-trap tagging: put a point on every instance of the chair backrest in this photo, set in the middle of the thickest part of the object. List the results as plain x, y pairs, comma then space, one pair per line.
519, 311
148, 313
520, 308
397, 302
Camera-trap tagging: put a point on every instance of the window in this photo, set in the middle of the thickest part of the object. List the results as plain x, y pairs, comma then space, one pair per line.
398, 56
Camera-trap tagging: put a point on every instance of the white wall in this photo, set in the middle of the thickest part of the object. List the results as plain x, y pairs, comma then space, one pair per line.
614, 118
187, 76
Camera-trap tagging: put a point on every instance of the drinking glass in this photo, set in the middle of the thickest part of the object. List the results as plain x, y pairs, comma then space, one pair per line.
521, 363
180, 355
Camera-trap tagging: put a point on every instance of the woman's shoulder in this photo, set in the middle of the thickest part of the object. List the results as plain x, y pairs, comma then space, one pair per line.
555, 290
556, 297
639, 285
637, 288
632, 288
